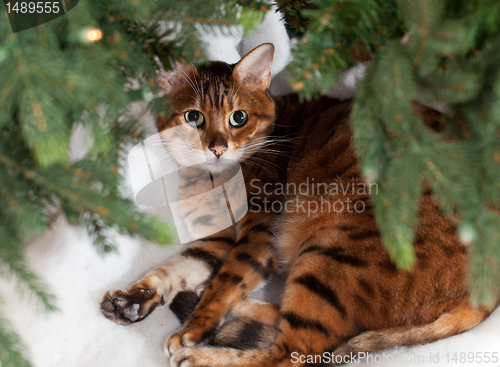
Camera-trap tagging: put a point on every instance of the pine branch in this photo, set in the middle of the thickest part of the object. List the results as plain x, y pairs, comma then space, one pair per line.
12, 258
484, 257
11, 347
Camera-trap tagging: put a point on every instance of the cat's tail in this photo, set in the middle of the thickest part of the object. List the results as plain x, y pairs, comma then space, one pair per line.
448, 324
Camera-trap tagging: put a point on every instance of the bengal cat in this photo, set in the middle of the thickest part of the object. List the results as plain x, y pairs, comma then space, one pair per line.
343, 294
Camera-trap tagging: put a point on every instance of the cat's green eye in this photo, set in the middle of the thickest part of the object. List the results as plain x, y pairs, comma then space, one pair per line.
194, 118
238, 118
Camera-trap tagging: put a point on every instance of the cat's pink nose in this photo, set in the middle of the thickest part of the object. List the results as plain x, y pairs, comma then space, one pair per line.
218, 150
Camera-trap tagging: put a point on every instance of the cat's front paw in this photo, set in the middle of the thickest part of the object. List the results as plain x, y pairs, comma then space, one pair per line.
126, 307
200, 327
212, 357
174, 343
187, 357
184, 338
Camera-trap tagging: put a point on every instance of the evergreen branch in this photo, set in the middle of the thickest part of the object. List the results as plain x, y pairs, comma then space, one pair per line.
11, 347
18, 210
12, 257
397, 208
97, 232
484, 259
121, 214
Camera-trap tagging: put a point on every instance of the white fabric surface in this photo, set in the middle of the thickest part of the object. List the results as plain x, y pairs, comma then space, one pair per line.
79, 336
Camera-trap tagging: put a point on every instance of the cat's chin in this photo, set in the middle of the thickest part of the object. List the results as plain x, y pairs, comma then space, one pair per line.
216, 167
219, 166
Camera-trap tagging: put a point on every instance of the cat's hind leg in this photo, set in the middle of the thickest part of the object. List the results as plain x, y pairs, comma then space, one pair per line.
255, 323
184, 272
256, 326
257, 310
311, 322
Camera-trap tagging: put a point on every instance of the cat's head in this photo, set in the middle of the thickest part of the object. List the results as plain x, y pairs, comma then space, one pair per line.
227, 105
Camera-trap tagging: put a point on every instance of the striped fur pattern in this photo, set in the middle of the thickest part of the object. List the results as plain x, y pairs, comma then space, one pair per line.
343, 294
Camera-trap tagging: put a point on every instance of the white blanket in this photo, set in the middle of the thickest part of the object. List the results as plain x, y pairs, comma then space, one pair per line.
79, 336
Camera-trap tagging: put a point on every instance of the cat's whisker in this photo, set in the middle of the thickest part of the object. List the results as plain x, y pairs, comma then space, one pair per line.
190, 96
233, 97
264, 143
274, 139
251, 163
198, 84
276, 152
171, 143
191, 83
259, 147
267, 162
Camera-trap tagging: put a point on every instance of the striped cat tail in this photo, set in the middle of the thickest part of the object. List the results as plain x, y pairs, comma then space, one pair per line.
448, 324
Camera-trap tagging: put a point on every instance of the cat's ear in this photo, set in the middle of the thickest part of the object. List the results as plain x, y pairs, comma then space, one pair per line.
169, 80
255, 67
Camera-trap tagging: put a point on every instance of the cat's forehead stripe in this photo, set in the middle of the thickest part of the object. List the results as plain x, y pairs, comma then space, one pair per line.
216, 82
216, 91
